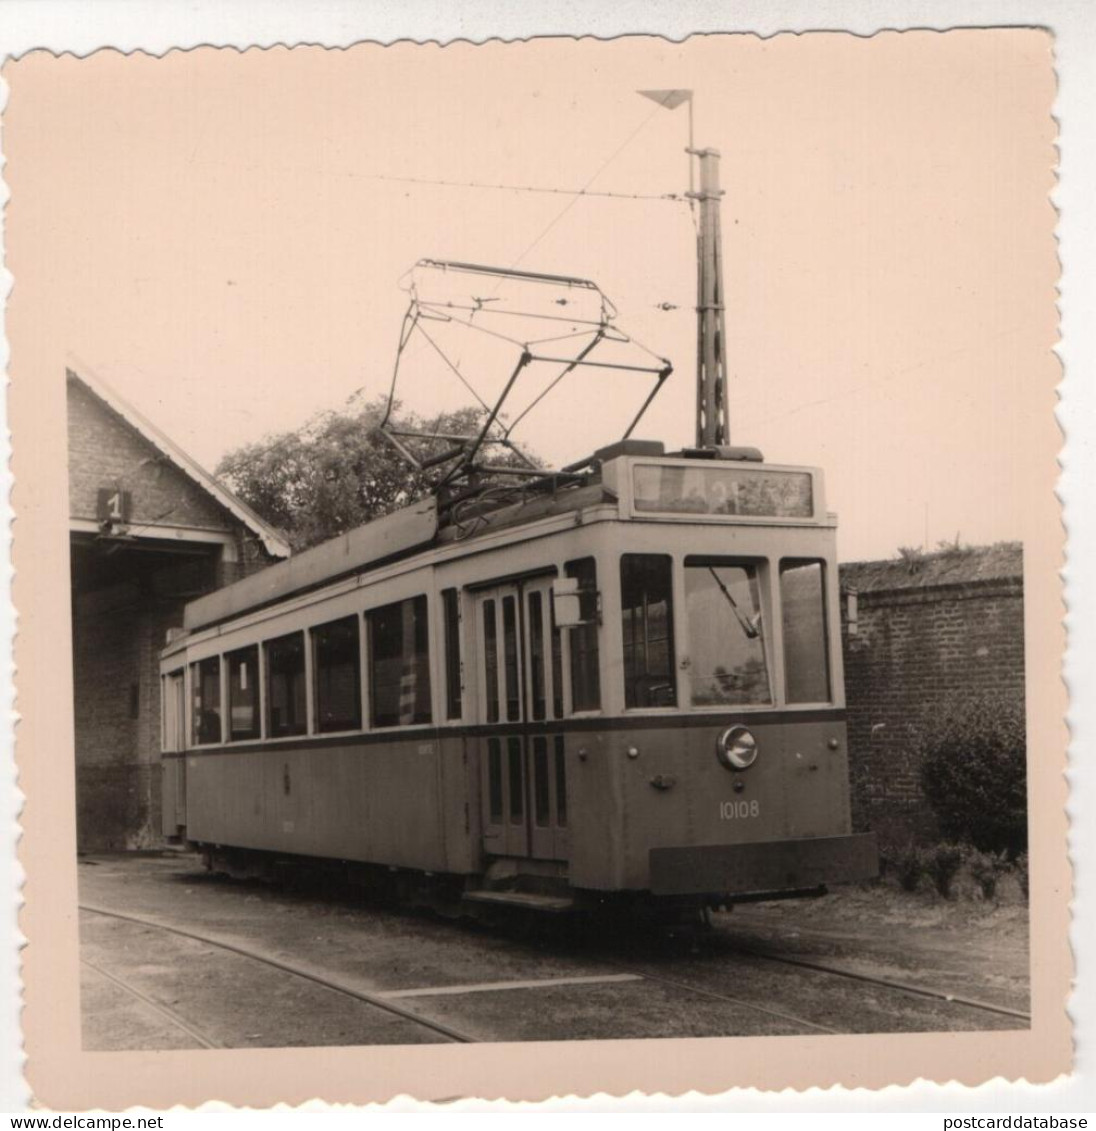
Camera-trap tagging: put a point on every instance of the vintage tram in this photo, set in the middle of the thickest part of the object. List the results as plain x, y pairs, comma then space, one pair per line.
615, 684
618, 686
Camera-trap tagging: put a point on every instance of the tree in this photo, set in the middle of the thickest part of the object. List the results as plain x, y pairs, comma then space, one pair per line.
335, 472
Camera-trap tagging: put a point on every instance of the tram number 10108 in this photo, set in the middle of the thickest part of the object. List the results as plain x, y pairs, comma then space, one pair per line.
739, 810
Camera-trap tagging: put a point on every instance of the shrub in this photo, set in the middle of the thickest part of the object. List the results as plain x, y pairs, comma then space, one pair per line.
985, 870
942, 864
909, 866
1021, 865
949, 549
973, 771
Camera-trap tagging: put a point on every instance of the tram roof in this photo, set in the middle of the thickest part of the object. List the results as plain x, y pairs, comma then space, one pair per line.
608, 480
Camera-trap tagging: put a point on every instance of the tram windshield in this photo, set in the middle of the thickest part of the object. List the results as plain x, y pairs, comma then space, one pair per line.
727, 647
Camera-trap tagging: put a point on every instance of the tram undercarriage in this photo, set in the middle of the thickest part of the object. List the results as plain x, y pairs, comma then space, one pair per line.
541, 888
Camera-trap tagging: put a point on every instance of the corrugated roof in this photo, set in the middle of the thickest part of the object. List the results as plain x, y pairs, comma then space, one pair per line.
275, 544
1003, 561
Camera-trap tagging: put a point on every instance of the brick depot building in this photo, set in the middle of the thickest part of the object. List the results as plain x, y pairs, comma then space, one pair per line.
148, 531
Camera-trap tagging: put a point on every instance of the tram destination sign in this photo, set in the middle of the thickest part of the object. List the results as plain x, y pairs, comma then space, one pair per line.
719, 489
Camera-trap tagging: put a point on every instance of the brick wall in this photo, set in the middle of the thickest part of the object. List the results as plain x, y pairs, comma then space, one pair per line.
915, 644
104, 451
125, 597
117, 633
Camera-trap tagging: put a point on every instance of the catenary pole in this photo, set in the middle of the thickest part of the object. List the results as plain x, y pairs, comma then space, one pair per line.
712, 407
713, 427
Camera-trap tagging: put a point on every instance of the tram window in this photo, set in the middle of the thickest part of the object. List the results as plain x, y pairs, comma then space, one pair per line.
585, 679
510, 658
541, 791
726, 640
494, 779
399, 664
450, 600
491, 660
286, 700
243, 693
536, 653
561, 783
517, 781
557, 666
205, 683
647, 612
337, 663
806, 665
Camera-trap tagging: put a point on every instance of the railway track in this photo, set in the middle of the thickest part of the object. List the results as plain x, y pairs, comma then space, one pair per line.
612, 971
157, 1007
385, 1001
278, 964
903, 987
780, 1015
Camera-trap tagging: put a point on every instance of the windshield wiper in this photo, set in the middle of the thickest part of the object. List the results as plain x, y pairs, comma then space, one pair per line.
750, 626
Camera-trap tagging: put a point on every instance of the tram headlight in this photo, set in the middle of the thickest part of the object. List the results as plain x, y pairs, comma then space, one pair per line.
737, 748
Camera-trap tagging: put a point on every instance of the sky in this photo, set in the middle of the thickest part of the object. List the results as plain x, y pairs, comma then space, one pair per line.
218, 237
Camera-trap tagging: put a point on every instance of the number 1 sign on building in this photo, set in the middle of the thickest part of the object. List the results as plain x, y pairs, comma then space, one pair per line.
112, 509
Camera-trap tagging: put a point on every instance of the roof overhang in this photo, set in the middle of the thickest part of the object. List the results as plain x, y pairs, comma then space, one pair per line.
272, 541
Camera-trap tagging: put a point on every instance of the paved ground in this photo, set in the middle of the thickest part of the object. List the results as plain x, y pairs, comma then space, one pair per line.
147, 989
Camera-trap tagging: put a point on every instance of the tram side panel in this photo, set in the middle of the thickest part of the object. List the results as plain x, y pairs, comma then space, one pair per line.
459, 783
378, 802
596, 798
173, 795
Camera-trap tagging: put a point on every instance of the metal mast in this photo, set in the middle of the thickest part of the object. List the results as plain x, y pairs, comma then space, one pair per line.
713, 427
713, 424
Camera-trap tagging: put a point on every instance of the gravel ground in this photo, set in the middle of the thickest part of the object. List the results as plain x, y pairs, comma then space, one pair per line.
183, 991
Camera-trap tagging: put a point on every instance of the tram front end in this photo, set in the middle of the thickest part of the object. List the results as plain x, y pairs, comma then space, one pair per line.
725, 773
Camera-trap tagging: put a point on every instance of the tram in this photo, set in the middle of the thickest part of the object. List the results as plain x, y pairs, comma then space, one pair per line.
627, 686
619, 683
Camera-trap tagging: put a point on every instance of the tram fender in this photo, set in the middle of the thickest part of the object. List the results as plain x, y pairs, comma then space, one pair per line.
745, 869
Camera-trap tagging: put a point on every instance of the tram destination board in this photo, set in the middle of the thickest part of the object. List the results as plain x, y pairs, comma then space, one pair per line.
722, 490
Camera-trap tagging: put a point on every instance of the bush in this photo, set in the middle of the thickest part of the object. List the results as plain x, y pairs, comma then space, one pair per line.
973, 771
1021, 865
985, 870
909, 866
942, 864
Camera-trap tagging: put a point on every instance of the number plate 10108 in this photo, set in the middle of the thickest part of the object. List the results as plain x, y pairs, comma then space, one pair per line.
739, 810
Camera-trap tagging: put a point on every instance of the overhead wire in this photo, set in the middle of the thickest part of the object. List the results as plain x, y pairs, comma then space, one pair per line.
585, 188
576, 195
884, 379
445, 310
673, 197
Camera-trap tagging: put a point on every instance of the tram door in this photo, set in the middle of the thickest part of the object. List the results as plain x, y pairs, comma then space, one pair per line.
524, 785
